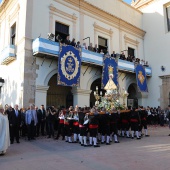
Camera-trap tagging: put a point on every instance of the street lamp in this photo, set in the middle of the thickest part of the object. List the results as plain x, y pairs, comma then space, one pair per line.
87, 38
97, 96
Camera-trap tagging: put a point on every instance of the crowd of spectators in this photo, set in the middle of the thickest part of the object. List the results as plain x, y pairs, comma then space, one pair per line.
101, 51
33, 121
157, 116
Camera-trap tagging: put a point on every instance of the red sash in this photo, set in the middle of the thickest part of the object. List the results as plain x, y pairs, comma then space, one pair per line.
93, 126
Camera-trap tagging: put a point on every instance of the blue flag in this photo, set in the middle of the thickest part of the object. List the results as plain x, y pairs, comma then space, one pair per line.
69, 65
110, 67
141, 78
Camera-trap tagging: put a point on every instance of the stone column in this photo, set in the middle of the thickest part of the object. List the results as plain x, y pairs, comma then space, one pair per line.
81, 97
51, 23
142, 96
41, 95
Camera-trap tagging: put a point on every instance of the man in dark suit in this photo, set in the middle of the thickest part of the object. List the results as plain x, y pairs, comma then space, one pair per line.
14, 124
41, 116
67, 40
113, 54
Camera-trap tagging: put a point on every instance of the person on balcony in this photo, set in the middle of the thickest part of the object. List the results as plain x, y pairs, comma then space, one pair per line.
73, 42
84, 46
101, 51
122, 56
96, 49
67, 40
113, 54
78, 45
90, 47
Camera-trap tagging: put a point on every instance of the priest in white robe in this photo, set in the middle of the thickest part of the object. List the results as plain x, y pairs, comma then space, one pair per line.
4, 131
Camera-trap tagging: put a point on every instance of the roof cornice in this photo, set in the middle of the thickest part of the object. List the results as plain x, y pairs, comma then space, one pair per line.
122, 24
139, 4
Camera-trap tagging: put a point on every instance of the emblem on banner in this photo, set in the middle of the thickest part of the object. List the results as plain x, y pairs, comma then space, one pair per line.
110, 71
141, 77
69, 65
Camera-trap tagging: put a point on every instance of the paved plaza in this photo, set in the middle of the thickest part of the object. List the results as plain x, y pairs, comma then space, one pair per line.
149, 153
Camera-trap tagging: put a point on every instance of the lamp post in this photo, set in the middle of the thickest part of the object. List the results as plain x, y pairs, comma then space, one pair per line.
97, 96
87, 38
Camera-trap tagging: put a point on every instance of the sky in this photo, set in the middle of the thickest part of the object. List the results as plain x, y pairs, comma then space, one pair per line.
128, 1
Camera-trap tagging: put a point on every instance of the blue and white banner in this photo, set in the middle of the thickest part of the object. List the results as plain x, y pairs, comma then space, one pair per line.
141, 78
69, 65
110, 67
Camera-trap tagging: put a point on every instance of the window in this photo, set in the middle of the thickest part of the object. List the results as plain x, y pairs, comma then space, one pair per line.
13, 34
131, 51
61, 30
102, 44
168, 17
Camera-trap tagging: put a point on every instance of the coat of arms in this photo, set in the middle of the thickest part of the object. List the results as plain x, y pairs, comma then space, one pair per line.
69, 65
141, 77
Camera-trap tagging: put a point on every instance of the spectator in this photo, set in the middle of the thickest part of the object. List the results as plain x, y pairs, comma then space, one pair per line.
129, 58
113, 54
122, 56
41, 115
31, 121
90, 47
58, 38
73, 42
23, 125
96, 49
101, 51
161, 116
78, 44
67, 40
15, 124
84, 46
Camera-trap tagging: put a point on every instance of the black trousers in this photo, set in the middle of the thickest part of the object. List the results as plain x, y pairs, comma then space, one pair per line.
14, 133
83, 131
31, 130
40, 125
113, 128
134, 126
93, 132
60, 130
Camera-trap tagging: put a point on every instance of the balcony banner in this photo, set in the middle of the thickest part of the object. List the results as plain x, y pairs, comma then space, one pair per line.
110, 67
69, 64
141, 78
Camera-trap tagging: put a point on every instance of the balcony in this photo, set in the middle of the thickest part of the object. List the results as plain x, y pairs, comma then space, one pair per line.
46, 48
7, 55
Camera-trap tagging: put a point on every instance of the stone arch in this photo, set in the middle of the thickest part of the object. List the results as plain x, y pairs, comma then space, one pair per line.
133, 95
91, 80
48, 77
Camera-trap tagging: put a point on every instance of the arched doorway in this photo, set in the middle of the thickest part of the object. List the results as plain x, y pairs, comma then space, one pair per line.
58, 95
96, 83
132, 97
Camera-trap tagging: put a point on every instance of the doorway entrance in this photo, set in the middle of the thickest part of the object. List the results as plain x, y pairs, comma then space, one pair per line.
59, 95
132, 99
